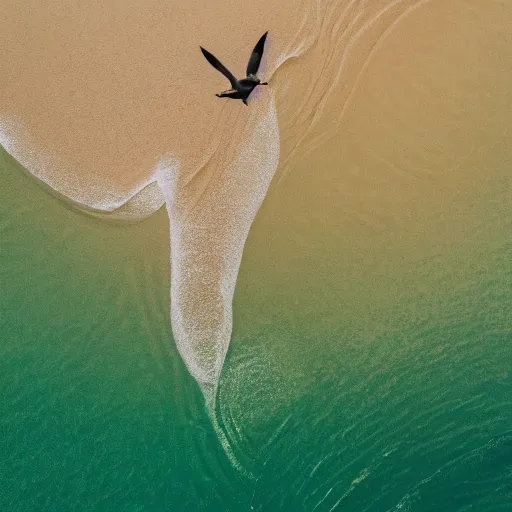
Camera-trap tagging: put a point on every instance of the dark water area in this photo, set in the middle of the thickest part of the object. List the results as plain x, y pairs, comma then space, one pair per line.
388, 397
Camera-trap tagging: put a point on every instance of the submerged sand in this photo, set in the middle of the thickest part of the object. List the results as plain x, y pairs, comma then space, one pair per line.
397, 100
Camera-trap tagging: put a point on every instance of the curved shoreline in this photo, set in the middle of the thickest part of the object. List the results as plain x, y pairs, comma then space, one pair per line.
136, 208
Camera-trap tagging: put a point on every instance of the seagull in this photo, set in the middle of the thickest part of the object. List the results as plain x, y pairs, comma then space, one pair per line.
240, 89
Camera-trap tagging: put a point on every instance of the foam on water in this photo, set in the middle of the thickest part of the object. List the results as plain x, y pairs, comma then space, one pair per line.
142, 201
207, 238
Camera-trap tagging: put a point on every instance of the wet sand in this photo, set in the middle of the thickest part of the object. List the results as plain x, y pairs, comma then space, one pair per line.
95, 95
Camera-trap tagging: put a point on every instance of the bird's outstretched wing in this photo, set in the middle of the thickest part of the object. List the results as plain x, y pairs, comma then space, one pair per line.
220, 67
257, 53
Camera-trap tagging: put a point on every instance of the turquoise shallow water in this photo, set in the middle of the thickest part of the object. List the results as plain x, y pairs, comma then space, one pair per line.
370, 387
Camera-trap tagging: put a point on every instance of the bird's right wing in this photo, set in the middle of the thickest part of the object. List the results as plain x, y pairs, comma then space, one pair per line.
255, 58
220, 67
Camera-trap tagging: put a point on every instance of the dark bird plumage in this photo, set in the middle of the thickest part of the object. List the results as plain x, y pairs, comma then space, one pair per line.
240, 89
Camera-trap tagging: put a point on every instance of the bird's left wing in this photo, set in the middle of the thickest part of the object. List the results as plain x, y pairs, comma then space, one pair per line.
217, 64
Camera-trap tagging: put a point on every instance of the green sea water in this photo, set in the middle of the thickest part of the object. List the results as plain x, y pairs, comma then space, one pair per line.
356, 380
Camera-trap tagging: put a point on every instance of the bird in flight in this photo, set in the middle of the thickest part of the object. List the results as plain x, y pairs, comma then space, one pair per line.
240, 89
